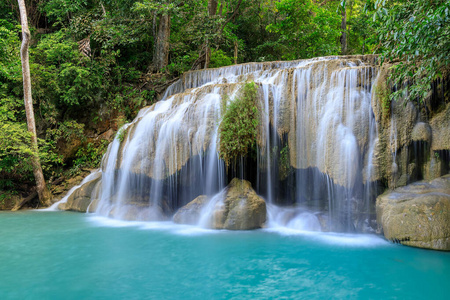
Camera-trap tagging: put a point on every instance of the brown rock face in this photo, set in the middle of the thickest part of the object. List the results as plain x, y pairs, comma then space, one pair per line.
440, 125
418, 214
238, 207
80, 199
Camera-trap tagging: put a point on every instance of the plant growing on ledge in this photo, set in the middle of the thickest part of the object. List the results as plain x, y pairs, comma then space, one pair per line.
239, 127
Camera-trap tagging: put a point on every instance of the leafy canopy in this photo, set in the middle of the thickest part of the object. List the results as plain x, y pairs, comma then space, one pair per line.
416, 34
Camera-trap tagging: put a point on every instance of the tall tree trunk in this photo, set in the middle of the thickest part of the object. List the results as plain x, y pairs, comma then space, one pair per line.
161, 53
344, 30
41, 188
212, 7
212, 10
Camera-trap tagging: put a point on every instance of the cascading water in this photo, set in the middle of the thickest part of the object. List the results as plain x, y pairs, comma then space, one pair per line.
315, 144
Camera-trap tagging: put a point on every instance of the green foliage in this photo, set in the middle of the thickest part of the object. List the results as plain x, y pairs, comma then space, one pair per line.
121, 134
284, 166
66, 130
306, 29
91, 155
220, 59
238, 128
416, 33
384, 95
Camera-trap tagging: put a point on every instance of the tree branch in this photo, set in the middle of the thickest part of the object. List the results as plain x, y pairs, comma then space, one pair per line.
231, 17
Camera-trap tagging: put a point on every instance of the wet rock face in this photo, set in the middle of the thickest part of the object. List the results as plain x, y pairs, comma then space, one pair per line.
418, 214
80, 199
237, 208
421, 132
440, 125
191, 212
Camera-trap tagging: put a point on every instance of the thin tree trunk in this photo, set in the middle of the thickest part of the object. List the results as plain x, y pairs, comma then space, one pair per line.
161, 53
212, 10
235, 52
207, 55
344, 30
212, 7
41, 188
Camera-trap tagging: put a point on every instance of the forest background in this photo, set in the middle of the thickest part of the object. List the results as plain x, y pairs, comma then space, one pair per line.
95, 63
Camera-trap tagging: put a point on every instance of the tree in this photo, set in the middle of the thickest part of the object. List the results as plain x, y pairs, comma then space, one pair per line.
41, 188
415, 34
343, 37
306, 29
161, 49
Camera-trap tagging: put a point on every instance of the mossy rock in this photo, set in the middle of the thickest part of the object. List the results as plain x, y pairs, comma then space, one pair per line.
418, 214
237, 208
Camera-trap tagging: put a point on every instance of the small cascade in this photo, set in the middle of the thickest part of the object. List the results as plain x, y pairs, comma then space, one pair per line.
316, 141
54, 206
295, 218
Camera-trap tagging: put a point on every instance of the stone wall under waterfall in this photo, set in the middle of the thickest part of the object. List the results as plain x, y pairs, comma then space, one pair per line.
324, 147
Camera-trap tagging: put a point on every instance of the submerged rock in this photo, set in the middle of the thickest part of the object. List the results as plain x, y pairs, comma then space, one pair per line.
418, 214
238, 207
80, 199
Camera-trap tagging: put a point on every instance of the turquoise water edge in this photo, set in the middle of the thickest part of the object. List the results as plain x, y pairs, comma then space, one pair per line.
64, 255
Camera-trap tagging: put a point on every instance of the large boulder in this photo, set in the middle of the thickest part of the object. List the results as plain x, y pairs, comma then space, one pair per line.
80, 199
418, 214
238, 207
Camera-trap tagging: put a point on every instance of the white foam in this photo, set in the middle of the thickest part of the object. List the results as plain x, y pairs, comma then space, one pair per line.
109, 222
168, 226
340, 239
331, 238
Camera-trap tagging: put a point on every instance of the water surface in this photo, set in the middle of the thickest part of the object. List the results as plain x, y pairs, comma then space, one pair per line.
64, 255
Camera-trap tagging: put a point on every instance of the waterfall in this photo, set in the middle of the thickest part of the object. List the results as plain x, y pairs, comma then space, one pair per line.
315, 147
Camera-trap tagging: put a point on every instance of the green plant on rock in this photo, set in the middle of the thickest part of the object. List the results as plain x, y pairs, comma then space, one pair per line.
121, 134
239, 127
284, 162
383, 94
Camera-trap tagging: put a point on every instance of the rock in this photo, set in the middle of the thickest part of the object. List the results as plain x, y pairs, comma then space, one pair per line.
418, 214
191, 212
80, 199
440, 125
433, 168
237, 207
242, 209
421, 132
8, 201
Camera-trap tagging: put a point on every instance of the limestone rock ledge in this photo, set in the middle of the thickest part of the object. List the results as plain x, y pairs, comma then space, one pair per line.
418, 214
238, 207
80, 199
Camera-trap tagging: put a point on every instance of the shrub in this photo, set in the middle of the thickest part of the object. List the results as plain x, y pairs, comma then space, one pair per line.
238, 128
